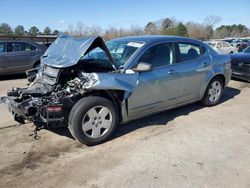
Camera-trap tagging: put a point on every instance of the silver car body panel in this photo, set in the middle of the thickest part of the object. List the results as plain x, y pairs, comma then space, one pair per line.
111, 81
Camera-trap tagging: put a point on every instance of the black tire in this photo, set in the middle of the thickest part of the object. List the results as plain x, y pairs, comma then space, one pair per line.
206, 100
80, 111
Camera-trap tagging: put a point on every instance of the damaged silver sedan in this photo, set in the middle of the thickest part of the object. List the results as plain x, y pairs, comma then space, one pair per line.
91, 86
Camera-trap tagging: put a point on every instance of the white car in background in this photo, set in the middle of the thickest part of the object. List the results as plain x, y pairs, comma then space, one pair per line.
222, 47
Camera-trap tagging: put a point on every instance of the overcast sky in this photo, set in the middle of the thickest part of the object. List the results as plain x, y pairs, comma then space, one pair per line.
58, 14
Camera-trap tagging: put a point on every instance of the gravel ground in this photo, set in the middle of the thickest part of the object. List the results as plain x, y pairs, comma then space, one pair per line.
192, 146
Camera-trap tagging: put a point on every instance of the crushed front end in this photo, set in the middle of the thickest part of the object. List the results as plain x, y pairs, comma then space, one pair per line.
55, 87
44, 102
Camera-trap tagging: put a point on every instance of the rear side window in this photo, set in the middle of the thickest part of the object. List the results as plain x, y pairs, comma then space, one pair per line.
2, 47
189, 51
159, 55
20, 46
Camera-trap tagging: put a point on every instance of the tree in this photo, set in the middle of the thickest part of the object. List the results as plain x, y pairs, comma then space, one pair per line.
212, 20
232, 31
70, 29
150, 28
196, 30
80, 29
47, 31
111, 32
19, 30
166, 23
5, 29
169, 31
94, 31
181, 30
33, 31
55, 32
136, 30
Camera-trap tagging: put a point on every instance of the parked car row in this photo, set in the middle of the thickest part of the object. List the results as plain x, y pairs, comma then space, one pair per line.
222, 47
229, 46
241, 44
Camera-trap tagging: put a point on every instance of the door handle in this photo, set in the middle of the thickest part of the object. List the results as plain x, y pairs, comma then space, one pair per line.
172, 72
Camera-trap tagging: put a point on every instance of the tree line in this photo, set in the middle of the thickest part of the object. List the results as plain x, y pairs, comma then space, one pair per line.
166, 26
6, 29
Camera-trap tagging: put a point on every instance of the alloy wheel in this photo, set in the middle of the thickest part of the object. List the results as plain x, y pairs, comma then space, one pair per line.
214, 91
97, 122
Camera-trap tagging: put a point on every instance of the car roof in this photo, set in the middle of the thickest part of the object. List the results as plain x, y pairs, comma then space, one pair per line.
155, 38
28, 41
42, 47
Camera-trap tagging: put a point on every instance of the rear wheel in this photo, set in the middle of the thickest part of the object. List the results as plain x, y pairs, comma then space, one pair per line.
92, 120
213, 92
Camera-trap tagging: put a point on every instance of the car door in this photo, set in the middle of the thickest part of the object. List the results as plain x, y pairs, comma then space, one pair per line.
159, 87
3, 63
192, 66
18, 57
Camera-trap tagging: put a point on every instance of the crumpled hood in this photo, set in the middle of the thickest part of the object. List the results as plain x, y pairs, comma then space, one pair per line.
66, 51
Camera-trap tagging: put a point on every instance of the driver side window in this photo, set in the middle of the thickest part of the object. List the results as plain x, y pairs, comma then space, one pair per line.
159, 55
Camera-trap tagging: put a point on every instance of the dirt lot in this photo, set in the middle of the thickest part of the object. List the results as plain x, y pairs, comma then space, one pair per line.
192, 146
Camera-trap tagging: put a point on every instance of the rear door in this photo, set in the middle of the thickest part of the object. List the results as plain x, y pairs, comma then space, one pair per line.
192, 67
19, 56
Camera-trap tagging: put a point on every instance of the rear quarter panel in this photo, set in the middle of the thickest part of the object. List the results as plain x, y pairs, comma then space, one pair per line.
221, 66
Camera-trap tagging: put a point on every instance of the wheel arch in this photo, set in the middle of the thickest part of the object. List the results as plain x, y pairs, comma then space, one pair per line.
117, 97
204, 88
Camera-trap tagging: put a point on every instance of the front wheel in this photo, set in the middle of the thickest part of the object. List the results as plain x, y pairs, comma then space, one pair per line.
213, 92
92, 120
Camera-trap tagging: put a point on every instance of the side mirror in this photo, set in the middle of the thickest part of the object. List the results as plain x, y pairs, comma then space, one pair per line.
143, 67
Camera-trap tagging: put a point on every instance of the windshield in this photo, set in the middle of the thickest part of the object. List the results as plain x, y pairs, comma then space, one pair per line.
247, 50
120, 51
212, 44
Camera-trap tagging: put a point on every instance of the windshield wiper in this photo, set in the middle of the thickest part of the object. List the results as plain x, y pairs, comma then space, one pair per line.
44, 56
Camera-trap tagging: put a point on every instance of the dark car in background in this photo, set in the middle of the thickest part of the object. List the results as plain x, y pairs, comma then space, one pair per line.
18, 56
247, 50
241, 44
241, 65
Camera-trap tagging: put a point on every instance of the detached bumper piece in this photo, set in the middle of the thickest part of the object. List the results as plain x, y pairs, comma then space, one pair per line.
36, 109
